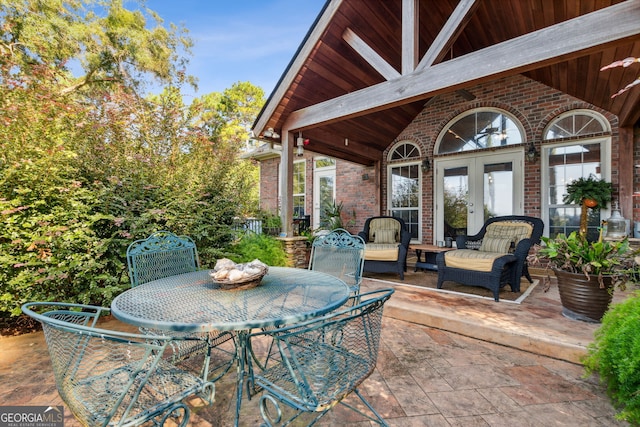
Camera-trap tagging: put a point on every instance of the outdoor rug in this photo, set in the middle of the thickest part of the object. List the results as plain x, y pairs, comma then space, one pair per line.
428, 279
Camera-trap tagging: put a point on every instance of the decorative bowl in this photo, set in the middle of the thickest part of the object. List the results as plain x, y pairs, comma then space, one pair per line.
231, 276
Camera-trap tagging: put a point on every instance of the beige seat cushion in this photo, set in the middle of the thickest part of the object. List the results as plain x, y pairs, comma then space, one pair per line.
381, 251
500, 238
469, 259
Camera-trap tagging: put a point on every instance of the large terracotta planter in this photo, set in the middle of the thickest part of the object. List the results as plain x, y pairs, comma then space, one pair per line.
582, 298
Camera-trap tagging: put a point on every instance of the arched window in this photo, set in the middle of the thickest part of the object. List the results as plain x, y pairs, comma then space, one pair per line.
577, 123
580, 147
404, 184
479, 129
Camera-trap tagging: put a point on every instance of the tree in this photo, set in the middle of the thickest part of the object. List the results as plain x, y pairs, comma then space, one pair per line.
87, 164
106, 42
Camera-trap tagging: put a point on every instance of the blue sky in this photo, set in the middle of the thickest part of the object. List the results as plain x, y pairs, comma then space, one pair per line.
240, 40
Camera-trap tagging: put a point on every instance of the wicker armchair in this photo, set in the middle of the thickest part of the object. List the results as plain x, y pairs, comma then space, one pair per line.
386, 245
321, 361
165, 254
497, 255
109, 377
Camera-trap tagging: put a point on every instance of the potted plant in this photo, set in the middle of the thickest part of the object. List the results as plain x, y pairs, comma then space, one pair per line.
589, 193
587, 272
333, 215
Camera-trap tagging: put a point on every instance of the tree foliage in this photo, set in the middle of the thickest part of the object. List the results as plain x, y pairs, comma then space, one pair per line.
87, 164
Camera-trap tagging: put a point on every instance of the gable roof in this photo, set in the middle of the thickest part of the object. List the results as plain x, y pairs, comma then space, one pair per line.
367, 67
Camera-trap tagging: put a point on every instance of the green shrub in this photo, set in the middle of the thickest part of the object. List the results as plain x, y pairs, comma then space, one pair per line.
615, 356
261, 246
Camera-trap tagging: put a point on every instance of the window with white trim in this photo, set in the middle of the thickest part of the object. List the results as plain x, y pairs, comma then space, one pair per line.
580, 147
404, 184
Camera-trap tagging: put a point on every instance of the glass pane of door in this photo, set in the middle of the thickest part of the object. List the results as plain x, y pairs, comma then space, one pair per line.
470, 190
498, 189
324, 196
456, 199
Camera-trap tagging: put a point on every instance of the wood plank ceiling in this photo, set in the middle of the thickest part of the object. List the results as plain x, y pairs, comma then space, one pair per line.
333, 68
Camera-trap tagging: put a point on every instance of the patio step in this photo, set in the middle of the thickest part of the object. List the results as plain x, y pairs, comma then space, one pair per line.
536, 325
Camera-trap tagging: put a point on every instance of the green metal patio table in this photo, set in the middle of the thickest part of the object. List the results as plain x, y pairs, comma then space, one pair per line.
193, 302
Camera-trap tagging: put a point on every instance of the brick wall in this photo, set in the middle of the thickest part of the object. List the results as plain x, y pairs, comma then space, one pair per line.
356, 189
358, 192
533, 104
269, 171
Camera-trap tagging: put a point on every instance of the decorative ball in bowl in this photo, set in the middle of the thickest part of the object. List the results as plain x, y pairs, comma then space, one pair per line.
231, 276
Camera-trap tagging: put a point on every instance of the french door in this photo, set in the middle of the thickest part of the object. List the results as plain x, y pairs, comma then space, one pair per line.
324, 194
470, 190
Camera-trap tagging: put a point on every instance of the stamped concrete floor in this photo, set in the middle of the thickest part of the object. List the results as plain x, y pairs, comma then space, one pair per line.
445, 360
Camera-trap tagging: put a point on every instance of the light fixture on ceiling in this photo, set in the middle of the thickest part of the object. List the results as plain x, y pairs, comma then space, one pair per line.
532, 154
270, 133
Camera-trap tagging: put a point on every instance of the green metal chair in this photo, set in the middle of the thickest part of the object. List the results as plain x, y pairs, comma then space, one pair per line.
320, 362
114, 378
162, 254
340, 254
165, 254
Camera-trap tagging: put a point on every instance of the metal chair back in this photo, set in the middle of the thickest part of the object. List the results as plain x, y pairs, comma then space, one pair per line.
162, 254
321, 361
340, 254
109, 377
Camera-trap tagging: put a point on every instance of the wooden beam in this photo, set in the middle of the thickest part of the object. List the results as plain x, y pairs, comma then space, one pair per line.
351, 156
370, 55
578, 36
285, 184
449, 33
409, 35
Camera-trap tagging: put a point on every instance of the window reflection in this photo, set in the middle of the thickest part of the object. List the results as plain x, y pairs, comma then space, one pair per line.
569, 162
480, 130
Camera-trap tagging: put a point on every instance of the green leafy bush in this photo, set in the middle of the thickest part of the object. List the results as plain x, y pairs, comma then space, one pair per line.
261, 246
615, 356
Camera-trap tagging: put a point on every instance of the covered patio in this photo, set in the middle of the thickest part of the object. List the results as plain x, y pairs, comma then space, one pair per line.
371, 74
